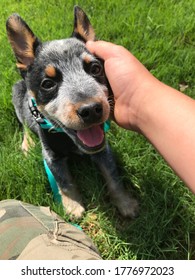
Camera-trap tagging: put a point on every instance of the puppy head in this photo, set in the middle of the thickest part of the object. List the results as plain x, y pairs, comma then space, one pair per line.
67, 82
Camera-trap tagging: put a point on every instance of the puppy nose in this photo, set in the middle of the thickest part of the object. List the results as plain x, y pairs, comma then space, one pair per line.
90, 113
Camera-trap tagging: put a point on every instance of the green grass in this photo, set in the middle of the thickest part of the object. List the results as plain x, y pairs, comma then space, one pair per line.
162, 35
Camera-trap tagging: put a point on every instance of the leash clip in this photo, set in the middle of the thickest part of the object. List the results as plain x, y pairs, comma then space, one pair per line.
41, 120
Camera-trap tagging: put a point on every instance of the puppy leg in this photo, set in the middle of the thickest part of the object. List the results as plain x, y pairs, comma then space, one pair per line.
71, 198
27, 142
126, 205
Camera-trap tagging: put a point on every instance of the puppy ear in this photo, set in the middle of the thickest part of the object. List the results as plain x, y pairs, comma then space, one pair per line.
83, 29
22, 40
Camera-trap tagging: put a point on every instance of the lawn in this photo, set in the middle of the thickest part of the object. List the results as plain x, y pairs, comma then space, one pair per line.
161, 33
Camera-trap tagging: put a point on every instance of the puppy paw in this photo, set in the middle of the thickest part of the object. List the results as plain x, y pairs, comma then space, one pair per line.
75, 211
74, 208
130, 208
127, 206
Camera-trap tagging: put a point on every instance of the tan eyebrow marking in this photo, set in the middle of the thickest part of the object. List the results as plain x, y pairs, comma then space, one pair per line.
50, 71
87, 57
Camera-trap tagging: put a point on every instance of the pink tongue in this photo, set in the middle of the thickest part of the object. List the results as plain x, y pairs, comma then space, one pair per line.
91, 137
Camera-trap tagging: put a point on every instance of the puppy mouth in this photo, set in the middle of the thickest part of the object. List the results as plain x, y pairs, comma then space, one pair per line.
91, 137
90, 140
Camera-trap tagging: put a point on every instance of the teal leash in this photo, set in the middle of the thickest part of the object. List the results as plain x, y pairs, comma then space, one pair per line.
55, 190
53, 184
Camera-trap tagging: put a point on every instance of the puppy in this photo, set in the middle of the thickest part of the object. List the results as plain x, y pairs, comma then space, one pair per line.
64, 97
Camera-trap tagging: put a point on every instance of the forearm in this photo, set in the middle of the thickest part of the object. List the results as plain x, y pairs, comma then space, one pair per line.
167, 120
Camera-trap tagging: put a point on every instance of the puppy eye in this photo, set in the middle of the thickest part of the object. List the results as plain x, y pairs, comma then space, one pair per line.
48, 84
95, 69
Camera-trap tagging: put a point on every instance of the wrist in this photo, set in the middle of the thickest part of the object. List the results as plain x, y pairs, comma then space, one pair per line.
158, 104
141, 104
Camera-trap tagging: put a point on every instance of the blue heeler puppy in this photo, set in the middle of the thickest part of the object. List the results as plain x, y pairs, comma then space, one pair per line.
64, 97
